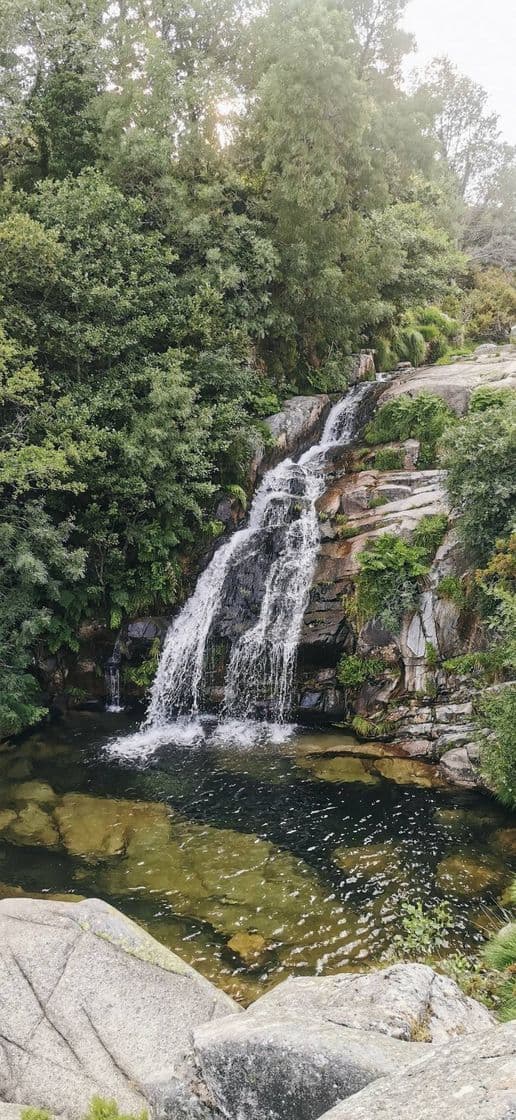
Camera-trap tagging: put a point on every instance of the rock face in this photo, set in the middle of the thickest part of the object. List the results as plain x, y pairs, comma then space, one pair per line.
455, 383
405, 1001
280, 1068
90, 1004
473, 1078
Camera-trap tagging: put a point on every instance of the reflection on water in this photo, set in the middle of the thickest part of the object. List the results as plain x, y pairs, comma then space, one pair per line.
253, 858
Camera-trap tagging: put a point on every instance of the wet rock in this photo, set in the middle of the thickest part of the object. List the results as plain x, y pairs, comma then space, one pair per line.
466, 877
505, 840
460, 766
474, 1077
40, 792
403, 1001
368, 862
281, 1067
7, 816
91, 1005
249, 947
234, 881
297, 426
417, 748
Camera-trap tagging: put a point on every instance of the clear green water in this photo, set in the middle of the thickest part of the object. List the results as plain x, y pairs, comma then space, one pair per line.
252, 862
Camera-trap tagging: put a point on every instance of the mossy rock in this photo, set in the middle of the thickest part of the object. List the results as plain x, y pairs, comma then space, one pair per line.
39, 792
236, 882
33, 826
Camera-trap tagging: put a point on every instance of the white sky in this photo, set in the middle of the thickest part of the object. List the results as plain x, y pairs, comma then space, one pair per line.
480, 38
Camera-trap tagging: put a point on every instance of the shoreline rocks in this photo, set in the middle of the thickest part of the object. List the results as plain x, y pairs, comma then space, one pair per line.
91, 1005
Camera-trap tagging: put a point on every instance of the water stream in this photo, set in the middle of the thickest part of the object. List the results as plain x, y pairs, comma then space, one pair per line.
263, 658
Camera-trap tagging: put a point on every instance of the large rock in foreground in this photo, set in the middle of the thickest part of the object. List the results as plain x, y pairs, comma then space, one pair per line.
406, 1001
90, 1004
473, 1078
282, 1068
312, 1040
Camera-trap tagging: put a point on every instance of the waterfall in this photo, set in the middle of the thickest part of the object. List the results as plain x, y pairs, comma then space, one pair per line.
263, 659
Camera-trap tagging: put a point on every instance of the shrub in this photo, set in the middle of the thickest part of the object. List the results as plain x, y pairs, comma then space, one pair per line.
388, 583
480, 454
431, 655
388, 459
424, 418
450, 587
353, 671
424, 932
99, 1109
499, 747
430, 532
500, 954
485, 397
490, 307
410, 346
365, 729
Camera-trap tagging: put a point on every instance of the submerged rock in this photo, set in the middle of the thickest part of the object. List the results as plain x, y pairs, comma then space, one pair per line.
344, 768
368, 862
408, 772
466, 877
91, 1005
97, 828
475, 1078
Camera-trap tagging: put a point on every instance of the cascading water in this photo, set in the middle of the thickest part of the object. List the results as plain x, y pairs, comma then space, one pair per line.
262, 660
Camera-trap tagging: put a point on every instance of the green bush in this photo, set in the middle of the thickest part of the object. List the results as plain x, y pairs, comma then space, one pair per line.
490, 306
498, 753
410, 346
500, 954
430, 532
423, 932
353, 671
388, 583
480, 455
388, 459
485, 397
424, 418
450, 587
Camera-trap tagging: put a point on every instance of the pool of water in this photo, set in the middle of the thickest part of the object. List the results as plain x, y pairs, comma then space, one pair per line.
253, 858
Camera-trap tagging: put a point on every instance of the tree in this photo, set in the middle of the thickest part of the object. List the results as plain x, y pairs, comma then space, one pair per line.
383, 43
467, 132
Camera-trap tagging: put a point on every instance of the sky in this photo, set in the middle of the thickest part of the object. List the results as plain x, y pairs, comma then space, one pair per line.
480, 38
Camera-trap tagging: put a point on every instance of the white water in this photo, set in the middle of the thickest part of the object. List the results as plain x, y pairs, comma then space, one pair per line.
262, 661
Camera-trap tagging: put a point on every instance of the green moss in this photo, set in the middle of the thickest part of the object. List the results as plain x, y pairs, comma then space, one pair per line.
431, 655
98, 1109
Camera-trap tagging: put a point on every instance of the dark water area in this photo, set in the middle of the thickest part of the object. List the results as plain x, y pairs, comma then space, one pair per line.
252, 861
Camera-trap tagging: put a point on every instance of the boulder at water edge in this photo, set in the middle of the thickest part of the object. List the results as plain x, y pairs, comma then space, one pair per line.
474, 1078
91, 1005
406, 1001
311, 1041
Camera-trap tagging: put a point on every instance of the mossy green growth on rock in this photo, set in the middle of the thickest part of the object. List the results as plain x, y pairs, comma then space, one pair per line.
353, 671
388, 583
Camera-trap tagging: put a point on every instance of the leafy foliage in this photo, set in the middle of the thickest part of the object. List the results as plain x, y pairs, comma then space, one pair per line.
424, 417
499, 748
388, 459
480, 454
429, 533
353, 671
98, 1109
388, 583
423, 932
